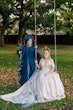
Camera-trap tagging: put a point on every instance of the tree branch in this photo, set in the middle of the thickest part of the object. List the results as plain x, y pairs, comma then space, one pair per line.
13, 21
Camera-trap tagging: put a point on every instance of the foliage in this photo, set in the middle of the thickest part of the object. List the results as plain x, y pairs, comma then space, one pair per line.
6, 8
65, 19
22, 11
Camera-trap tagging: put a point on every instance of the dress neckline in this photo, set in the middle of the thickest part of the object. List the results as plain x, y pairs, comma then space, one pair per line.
46, 59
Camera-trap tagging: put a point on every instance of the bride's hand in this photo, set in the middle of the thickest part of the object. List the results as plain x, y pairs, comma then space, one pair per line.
45, 74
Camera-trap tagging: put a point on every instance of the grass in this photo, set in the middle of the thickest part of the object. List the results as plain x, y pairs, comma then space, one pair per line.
8, 75
8, 57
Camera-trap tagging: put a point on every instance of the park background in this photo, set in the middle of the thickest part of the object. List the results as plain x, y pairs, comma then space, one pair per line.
17, 21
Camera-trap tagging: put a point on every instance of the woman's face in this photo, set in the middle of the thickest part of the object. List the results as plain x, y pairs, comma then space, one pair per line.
29, 43
46, 54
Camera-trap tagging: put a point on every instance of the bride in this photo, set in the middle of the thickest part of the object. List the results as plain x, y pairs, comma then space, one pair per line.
44, 85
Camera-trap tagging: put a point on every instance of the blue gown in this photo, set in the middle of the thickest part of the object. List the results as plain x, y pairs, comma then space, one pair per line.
27, 64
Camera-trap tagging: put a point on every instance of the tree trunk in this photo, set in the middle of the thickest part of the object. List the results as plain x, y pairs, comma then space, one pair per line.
1, 41
2, 34
20, 38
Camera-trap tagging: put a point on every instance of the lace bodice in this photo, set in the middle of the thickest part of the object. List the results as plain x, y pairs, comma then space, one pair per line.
46, 63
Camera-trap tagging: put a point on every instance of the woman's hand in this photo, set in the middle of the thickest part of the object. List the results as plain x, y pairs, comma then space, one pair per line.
48, 72
20, 52
36, 46
45, 74
36, 63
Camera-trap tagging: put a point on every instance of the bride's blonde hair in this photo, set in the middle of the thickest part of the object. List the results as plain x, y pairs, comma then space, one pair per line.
46, 48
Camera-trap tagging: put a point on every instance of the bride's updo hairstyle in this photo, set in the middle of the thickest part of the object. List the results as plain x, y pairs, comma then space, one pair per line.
46, 48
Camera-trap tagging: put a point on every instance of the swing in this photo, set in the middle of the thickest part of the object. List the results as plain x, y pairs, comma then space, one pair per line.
54, 32
35, 39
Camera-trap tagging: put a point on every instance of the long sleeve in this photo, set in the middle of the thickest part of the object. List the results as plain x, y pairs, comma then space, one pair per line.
38, 56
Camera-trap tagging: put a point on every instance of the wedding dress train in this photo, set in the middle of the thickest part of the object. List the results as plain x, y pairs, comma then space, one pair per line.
39, 88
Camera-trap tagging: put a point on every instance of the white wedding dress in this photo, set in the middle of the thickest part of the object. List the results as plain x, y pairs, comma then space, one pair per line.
39, 88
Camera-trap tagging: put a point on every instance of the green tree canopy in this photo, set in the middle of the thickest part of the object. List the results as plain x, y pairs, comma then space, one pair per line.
23, 11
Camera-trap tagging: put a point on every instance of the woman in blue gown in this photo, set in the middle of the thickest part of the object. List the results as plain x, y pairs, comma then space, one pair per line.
27, 60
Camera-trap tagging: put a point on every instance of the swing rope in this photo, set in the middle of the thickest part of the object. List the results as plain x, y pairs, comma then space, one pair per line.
35, 30
54, 32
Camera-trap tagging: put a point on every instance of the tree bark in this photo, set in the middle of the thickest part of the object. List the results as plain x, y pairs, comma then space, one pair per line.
2, 34
20, 38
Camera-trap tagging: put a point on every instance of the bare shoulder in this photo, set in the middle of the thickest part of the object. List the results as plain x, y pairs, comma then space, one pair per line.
41, 59
51, 59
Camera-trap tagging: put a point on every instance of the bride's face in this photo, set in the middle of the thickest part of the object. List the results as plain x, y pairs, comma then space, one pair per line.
46, 54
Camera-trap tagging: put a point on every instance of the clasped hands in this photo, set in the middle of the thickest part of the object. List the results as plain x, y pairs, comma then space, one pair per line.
37, 65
